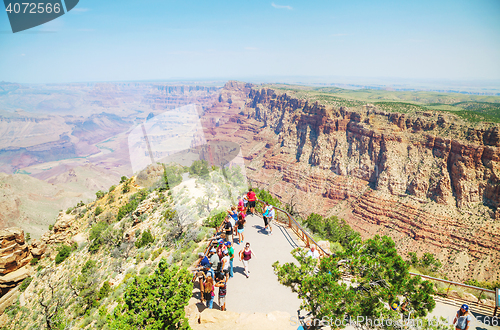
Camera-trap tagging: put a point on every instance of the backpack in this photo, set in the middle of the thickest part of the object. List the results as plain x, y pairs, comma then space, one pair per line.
462, 321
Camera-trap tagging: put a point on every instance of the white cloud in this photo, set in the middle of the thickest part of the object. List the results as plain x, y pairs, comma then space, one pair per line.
23, 54
281, 7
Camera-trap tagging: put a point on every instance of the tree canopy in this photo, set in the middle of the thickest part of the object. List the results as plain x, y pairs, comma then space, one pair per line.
361, 281
156, 301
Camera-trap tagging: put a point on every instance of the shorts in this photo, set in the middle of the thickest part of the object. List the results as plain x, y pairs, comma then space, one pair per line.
241, 230
226, 271
266, 221
251, 203
222, 300
245, 263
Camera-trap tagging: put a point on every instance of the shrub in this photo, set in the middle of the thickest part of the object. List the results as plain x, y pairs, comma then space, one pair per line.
123, 179
64, 252
100, 194
145, 239
176, 257
98, 210
34, 261
112, 188
51, 227
126, 187
200, 168
156, 301
104, 291
215, 220
156, 253
25, 283
89, 266
95, 236
68, 211
267, 197
134, 201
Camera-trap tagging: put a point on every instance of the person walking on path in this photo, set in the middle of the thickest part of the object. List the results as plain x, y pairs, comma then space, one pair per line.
222, 285
208, 291
463, 318
230, 251
245, 256
251, 200
268, 216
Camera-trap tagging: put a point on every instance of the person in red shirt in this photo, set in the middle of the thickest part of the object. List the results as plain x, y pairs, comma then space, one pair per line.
251, 200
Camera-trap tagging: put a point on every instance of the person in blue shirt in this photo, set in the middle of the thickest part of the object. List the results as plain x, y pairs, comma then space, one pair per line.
203, 260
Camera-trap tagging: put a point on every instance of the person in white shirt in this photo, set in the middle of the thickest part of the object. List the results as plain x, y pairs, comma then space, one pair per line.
225, 264
313, 252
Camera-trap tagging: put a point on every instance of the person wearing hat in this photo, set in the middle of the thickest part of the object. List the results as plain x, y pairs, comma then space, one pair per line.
203, 260
463, 318
200, 272
230, 252
214, 259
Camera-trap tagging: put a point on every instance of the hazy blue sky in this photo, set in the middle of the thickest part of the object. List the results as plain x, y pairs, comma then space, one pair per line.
151, 39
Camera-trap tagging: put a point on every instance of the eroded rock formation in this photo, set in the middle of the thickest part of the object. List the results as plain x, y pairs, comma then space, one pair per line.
14, 256
429, 180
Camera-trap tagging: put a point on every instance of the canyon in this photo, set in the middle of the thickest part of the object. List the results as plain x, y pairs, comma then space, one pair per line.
428, 179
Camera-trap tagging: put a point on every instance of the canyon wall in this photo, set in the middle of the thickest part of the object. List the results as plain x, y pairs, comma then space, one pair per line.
428, 180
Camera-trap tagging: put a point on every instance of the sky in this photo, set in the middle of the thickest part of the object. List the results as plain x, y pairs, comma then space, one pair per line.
201, 40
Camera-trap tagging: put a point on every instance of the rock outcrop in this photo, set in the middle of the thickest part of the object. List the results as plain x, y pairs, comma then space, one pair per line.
14, 258
14, 252
63, 231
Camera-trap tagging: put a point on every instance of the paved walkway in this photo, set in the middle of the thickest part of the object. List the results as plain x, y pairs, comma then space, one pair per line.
261, 291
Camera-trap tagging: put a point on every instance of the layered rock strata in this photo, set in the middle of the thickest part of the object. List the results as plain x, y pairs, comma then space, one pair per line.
426, 179
14, 256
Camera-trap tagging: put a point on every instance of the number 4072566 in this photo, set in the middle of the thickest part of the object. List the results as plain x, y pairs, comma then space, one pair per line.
33, 8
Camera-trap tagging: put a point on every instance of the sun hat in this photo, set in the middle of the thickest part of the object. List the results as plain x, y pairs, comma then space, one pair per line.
465, 307
225, 252
201, 254
228, 243
212, 250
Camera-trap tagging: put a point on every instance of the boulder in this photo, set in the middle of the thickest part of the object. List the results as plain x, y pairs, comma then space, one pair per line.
37, 248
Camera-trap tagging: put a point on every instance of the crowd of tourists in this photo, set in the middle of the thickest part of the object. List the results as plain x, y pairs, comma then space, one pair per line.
216, 268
